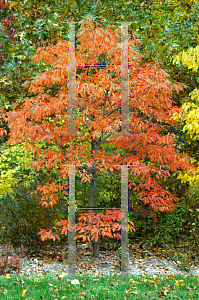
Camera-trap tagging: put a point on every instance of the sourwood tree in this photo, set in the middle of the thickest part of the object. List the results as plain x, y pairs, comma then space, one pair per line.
148, 154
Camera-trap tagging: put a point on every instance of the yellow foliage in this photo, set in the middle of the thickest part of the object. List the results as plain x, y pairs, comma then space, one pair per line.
190, 118
190, 58
13, 160
189, 178
191, 115
191, 128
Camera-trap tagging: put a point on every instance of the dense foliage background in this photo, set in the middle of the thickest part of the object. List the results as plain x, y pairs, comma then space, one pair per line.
164, 29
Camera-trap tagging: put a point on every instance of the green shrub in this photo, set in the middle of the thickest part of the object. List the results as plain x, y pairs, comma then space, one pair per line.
169, 226
13, 161
22, 217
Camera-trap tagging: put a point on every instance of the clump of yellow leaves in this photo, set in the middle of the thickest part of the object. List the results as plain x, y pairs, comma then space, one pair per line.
190, 117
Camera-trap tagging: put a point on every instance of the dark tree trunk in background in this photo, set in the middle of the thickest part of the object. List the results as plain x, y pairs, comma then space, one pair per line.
93, 201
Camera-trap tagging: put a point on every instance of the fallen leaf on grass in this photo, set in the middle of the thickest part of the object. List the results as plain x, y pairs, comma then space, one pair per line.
62, 275
50, 284
179, 282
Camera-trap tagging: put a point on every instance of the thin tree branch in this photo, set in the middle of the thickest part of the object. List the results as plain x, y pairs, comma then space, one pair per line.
106, 96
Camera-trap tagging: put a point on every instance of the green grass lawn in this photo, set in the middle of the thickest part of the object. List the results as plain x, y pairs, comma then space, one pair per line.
114, 287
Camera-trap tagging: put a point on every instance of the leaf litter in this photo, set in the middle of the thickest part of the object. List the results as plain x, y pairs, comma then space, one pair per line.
143, 259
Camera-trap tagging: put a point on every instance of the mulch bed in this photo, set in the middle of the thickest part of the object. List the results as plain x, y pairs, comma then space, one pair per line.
142, 258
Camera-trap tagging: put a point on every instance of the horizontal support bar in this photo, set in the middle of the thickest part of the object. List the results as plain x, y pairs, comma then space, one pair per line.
93, 208
85, 66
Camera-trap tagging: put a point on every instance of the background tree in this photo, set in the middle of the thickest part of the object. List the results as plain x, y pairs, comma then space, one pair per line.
188, 119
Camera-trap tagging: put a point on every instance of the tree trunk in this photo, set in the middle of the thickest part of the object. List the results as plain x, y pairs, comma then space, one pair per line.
93, 201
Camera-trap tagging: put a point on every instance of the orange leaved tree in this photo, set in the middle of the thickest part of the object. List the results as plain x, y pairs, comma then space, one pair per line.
148, 154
